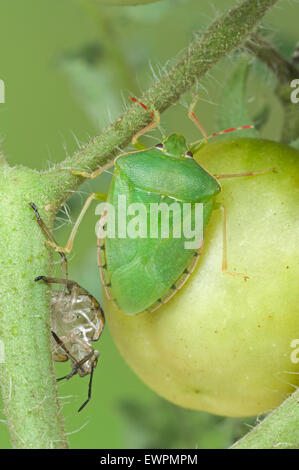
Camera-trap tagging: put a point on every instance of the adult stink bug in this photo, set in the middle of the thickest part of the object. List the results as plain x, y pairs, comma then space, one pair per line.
139, 273
77, 321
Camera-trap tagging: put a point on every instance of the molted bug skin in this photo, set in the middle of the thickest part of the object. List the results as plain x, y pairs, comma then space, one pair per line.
77, 321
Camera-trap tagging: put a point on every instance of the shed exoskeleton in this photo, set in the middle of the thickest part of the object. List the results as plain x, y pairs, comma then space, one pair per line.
77, 321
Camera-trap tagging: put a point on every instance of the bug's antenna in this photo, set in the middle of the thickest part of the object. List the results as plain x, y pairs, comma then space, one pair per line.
232, 129
194, 118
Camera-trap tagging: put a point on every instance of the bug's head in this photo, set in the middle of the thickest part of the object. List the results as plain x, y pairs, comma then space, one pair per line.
175, 145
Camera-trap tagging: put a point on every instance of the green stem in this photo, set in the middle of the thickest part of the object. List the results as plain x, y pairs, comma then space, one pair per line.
279, 430
27, 379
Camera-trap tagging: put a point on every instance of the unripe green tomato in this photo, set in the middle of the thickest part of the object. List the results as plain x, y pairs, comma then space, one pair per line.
223, 345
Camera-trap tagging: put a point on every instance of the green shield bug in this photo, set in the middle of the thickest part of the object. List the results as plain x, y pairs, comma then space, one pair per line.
77, 321
145, 268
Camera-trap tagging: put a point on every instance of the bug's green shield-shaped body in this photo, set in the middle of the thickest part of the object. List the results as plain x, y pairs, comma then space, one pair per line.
143, 270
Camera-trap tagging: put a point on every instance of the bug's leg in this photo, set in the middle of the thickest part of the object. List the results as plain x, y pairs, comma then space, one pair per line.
51, 238
63, 346
194, 118
50, 280
93, 174
224, 248
236, 175
78, 365
69, 245
55, 280
155, 122
89, 389
196, 146
69, 376
91, 197
68, 248
248, 173
75, 370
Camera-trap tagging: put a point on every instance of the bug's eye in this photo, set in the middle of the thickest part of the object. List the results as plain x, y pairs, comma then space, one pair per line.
159, 146
189, 154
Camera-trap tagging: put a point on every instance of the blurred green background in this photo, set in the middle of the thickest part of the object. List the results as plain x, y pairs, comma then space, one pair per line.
69, 67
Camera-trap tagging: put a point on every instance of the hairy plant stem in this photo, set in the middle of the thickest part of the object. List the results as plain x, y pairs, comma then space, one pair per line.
27, 379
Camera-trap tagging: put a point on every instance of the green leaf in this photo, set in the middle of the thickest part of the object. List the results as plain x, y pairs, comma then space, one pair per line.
233, 111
